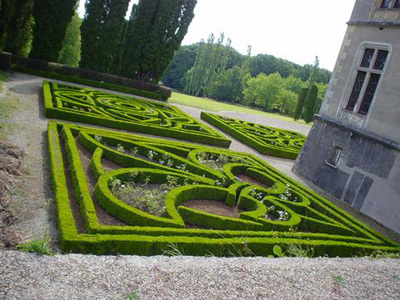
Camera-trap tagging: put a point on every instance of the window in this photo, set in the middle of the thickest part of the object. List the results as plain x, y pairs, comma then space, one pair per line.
368, 75
390, 4
336, 155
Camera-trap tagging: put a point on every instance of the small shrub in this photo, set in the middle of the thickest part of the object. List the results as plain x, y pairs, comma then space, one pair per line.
37, 246
131, 296
140, 195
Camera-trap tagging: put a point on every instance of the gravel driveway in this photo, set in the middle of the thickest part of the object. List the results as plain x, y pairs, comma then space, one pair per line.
73, 276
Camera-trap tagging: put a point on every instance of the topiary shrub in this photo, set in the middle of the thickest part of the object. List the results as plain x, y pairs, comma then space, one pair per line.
110, 110
273, 211
264, 139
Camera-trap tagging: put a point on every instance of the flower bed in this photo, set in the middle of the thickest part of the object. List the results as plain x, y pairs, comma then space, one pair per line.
92, 168
264, 139
110, 110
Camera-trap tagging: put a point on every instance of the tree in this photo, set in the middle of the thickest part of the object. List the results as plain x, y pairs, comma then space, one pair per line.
300, 103
101, 33
196, 77
286, 101
20, 29
226, 85
155, 32
263, 91
6, 14
182, 61
70, 53
211, 60
294, 84
51, 20
310, 104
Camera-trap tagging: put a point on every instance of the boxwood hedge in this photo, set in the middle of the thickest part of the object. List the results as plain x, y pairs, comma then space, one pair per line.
266, 140
110, 110
262, 194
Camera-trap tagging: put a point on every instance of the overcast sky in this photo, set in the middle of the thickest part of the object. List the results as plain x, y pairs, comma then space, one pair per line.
291, 29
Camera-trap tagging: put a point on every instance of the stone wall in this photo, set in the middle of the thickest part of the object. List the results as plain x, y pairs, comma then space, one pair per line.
367, 175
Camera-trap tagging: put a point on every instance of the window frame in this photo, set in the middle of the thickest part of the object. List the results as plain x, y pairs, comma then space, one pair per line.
357, 68
393, 4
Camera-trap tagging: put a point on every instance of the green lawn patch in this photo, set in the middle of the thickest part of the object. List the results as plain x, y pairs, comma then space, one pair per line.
84, 105
214, 105
266, 140
93, 171
3, 77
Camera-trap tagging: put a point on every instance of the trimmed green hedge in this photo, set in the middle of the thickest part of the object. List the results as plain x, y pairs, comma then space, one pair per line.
110, 110
92, 83
85, 76
311, 221
264, 139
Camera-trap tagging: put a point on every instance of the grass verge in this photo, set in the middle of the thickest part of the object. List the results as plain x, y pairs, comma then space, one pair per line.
213, 105
3, 76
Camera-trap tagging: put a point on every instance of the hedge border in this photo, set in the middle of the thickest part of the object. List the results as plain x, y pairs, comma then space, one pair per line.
24, 64
247, 139
92, 83
147, 241
210, 136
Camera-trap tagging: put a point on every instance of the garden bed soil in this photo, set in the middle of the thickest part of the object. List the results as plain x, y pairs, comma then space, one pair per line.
213, 207
251, 180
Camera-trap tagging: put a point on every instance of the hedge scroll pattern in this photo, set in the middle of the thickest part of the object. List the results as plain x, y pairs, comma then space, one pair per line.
85, 162
110, 110
264, 139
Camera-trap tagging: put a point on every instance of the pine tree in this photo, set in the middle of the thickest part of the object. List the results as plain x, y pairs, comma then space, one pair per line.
156, 30
70, 53
101, 33
6, 13
51, 20
310, 104
20, 30
300, 103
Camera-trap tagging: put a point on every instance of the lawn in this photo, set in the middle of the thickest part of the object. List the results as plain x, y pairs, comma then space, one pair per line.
3, 76
213, 105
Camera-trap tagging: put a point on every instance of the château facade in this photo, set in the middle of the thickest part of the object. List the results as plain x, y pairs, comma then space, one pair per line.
353, 149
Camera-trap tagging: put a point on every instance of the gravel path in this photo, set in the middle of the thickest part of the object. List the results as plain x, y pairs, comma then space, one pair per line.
73, 276
29, 276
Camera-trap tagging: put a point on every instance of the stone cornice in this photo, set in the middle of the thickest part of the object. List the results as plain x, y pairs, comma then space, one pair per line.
370, 136
375, 23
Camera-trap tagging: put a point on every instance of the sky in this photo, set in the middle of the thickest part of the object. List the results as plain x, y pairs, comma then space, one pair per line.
291, 29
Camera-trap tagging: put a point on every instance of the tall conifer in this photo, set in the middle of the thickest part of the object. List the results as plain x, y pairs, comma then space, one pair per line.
101, 33
300, 103
310, 104
6, 14
156, 30
51, 20
20, 29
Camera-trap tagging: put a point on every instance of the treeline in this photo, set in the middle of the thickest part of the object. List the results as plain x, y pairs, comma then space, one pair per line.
214, 69
139, 48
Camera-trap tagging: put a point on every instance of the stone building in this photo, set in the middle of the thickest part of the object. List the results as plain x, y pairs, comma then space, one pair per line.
353, 149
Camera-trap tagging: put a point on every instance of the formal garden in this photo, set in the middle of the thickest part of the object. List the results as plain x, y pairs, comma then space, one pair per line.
266, 140
117, 192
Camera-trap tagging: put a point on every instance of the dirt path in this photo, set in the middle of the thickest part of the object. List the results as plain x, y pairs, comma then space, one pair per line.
25, 126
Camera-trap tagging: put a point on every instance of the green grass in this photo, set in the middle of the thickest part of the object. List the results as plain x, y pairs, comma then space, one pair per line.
217, 106
37, 246
3, 76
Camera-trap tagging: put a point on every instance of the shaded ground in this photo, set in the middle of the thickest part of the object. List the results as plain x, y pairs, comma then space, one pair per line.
29, 276
10, 170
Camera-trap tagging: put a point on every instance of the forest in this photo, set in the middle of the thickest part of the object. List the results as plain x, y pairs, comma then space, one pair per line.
216, 70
